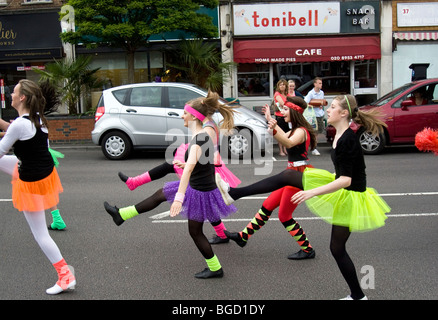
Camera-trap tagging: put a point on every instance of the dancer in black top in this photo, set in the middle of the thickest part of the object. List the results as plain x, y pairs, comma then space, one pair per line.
177, 166
35, 181
297, 141
343, 199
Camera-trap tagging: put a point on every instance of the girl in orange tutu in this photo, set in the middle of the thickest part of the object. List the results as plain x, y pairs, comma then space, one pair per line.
35, 181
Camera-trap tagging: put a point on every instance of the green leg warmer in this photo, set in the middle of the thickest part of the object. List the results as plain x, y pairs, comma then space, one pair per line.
58, 223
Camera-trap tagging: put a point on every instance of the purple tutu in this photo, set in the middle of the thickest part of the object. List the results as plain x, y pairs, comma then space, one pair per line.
198, 205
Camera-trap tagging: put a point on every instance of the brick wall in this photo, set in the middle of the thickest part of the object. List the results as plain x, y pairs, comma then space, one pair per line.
70, 129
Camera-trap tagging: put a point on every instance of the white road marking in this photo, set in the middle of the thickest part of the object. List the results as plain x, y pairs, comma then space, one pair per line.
165, 214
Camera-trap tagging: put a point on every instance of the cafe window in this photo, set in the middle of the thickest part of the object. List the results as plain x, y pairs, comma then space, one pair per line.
253, 79
335, 76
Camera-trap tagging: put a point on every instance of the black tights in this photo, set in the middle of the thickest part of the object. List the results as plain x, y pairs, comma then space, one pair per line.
339, 235
291, 178
152, 202
201, 241
158, 197
161, 171
195, 228
338, 240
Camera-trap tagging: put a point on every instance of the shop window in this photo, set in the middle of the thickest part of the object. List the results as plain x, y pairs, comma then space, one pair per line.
365, 74
335, 76
253, 79
114, 67
36, 1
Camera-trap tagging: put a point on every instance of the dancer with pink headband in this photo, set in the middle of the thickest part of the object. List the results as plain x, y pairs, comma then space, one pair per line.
297, 142
196, 195
177, 167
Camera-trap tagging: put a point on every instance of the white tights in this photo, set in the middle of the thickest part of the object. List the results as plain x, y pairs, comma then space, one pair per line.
36, 220
37, 224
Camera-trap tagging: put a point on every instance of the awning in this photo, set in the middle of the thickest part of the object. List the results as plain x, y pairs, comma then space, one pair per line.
287, 50
416, 35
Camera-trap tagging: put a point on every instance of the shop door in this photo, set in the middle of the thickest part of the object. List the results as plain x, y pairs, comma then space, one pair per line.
364, 81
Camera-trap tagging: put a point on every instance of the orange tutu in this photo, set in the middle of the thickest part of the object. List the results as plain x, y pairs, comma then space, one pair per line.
37, 195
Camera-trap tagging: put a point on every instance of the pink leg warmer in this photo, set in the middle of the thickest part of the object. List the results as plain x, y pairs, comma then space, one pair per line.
220, 230
137, 181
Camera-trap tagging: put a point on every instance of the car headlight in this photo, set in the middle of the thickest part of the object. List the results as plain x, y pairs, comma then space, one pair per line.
257, 123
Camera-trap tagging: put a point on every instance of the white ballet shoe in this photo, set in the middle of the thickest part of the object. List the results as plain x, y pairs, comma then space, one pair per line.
56, 289
350, 298
223, 188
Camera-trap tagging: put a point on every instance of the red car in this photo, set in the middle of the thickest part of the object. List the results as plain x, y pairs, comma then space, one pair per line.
408, 110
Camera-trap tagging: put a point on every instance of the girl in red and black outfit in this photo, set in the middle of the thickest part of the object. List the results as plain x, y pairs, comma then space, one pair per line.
297, 142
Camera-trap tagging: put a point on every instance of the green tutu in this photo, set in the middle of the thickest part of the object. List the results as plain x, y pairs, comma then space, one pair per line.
360, 211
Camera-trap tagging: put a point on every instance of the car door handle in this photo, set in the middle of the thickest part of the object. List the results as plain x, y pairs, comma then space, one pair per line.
131, 110
173, 114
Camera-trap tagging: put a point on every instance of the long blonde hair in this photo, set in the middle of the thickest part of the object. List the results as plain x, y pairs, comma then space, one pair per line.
286, 89
210, 104
370, 120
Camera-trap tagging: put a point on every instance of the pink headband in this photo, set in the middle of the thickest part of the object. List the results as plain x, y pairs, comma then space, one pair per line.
294, 106
194, 112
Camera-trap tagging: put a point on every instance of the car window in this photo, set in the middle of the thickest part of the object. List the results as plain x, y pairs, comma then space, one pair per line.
120, 95
179, 96
426, 95
433, 93
146, 96
391, 95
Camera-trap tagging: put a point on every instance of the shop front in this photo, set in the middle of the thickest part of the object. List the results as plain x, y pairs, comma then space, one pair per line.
337, 41
415, 41
27, 41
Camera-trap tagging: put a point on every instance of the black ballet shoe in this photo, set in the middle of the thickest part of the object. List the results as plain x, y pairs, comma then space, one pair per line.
114, 212
235, 236
207, 273
300, 255
218, 240
123, 177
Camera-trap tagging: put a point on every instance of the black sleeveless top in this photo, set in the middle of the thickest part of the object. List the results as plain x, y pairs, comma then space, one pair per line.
35, 161
202, 177
299, 152
349, 161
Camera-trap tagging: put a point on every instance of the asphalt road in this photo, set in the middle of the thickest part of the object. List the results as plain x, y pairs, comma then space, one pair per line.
152, 257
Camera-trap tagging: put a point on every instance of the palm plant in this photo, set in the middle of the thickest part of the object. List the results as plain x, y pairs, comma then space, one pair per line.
200, 63
72, 77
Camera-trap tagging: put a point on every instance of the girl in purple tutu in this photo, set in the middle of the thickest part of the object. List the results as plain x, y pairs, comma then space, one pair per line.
177, 166
195, 196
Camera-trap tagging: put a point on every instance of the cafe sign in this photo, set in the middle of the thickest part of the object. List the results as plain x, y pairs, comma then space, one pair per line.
286, 18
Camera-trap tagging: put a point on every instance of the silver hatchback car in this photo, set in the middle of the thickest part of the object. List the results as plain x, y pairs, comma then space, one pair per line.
148, 116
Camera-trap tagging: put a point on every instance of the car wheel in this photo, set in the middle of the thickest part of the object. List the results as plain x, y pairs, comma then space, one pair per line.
116, 145
239, 144
371, 144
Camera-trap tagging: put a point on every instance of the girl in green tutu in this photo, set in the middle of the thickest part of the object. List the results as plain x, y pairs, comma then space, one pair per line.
342, 199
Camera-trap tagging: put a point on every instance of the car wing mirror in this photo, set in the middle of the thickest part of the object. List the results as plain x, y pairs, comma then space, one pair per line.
406, 103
